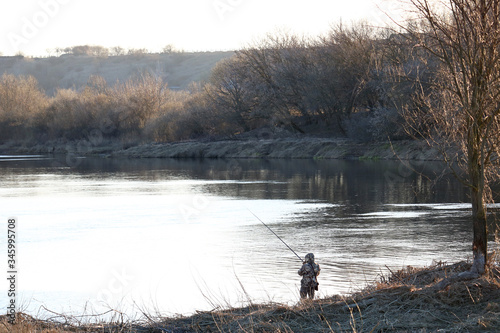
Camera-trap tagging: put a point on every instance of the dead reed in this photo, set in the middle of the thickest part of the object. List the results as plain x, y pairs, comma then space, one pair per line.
403, 301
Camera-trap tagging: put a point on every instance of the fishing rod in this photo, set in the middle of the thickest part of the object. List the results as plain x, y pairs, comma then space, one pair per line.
276, 235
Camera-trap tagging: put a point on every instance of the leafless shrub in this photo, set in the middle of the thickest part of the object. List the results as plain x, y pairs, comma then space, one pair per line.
138, 100
21, 103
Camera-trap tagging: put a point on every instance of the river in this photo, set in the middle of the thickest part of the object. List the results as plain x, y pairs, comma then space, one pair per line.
174, 236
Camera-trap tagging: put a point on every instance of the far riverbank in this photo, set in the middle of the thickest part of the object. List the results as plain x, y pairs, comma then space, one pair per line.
280, 148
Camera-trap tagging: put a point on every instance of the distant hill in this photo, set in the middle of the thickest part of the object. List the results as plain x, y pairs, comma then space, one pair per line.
70, 71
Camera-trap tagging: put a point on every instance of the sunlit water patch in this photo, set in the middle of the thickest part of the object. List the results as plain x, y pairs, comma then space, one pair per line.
14, 158
168, 244
393, 215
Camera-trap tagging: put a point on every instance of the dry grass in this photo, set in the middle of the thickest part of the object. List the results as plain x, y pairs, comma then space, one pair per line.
404, 301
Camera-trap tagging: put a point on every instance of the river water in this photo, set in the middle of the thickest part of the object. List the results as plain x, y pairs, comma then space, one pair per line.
174, 236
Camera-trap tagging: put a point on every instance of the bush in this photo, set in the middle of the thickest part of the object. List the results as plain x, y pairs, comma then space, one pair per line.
21, 103
379, 124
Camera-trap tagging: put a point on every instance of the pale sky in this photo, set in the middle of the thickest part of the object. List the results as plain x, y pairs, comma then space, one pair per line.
34, 26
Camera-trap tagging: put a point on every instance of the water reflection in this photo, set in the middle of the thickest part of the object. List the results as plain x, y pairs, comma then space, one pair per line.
361, 183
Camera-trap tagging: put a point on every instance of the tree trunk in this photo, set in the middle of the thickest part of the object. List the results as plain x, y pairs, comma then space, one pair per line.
479, 243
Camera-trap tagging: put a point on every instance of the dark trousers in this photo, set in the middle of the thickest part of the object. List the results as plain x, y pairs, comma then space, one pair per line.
307, 291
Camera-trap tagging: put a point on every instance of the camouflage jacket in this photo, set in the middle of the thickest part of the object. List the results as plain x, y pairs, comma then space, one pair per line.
308, 275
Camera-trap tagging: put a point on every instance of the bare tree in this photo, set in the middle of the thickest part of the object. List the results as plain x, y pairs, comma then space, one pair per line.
170, 49
117, 51
137, 52
461, 104
280, 68
345, 62
140, 99
229, 91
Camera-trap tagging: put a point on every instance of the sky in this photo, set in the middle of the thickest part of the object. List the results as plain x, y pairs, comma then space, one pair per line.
37, 27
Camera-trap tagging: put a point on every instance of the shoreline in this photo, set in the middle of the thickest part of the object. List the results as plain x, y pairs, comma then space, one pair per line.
279, 148
407, 300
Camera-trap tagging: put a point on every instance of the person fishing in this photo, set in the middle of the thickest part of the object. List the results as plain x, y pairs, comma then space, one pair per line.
309, 272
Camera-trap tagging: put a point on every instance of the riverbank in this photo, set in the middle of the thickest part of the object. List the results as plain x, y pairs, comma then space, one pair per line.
272, 148
404, 301
291, 148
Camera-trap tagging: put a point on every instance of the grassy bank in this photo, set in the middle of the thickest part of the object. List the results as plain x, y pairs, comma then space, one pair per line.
286, 147
404, 301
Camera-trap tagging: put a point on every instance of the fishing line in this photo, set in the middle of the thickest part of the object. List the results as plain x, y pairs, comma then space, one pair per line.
276, 235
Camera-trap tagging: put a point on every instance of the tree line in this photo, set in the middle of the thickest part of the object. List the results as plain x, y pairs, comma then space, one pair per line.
101, 51
347, 83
